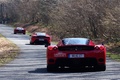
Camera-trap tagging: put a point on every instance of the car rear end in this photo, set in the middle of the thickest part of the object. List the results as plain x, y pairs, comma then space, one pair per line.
76, 56
19, 30
40, 40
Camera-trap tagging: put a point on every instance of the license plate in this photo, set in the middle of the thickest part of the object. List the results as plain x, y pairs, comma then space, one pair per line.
76, 56
41, 39
19, 31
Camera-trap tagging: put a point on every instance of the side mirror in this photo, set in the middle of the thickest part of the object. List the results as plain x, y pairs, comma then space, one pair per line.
102, 43
46, 45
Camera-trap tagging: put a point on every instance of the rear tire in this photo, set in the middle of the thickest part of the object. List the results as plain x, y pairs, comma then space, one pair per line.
100, 67
31, 43
51, 68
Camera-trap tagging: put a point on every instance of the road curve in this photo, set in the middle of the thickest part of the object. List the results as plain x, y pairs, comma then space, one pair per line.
31, 63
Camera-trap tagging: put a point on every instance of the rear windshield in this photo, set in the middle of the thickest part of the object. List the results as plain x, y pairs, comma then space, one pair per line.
19, 28
75, 41
41, 34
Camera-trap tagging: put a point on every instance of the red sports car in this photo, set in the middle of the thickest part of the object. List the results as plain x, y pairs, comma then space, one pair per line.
78, 53
19, 30
40, 38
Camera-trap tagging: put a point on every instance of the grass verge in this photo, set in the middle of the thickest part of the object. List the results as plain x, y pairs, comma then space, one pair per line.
113, 51
113, 56
8, 50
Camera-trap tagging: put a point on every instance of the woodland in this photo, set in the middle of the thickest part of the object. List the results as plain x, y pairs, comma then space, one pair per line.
94, 19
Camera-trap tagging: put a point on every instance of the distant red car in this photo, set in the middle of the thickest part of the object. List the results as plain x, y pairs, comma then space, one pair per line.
40, 38
76, 53
19, 30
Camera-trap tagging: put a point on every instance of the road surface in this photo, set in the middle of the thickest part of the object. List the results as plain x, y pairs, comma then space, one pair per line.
30, 64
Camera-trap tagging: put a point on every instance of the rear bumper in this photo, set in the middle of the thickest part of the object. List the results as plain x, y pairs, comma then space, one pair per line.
19, 31
75, 62
41, 42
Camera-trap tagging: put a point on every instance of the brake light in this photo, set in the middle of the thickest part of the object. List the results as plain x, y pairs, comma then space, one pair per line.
48, 39
55, 48
34, 36
99, 48
52, 48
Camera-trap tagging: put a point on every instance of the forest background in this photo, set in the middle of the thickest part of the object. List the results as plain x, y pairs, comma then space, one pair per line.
94, 19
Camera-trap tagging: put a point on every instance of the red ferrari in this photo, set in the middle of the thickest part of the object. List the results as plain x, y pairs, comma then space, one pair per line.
19, 30
40, 38
78, 53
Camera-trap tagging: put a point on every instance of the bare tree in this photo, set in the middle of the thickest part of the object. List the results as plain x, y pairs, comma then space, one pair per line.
68, 18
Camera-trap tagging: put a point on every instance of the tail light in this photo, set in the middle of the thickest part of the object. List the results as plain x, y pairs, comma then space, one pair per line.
34, 36
53, 48
48, 39
99, 48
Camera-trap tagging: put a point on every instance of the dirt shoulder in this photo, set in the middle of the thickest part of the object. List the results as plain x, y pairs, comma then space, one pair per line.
8, 50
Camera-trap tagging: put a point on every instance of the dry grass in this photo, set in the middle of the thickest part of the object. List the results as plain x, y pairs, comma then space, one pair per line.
8, 50
113, 51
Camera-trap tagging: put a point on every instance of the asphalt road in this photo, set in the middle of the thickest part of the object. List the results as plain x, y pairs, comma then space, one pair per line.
31, 64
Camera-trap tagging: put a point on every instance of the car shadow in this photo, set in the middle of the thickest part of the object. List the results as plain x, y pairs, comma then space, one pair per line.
39, 70
28, 44
34, 44
44, 70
